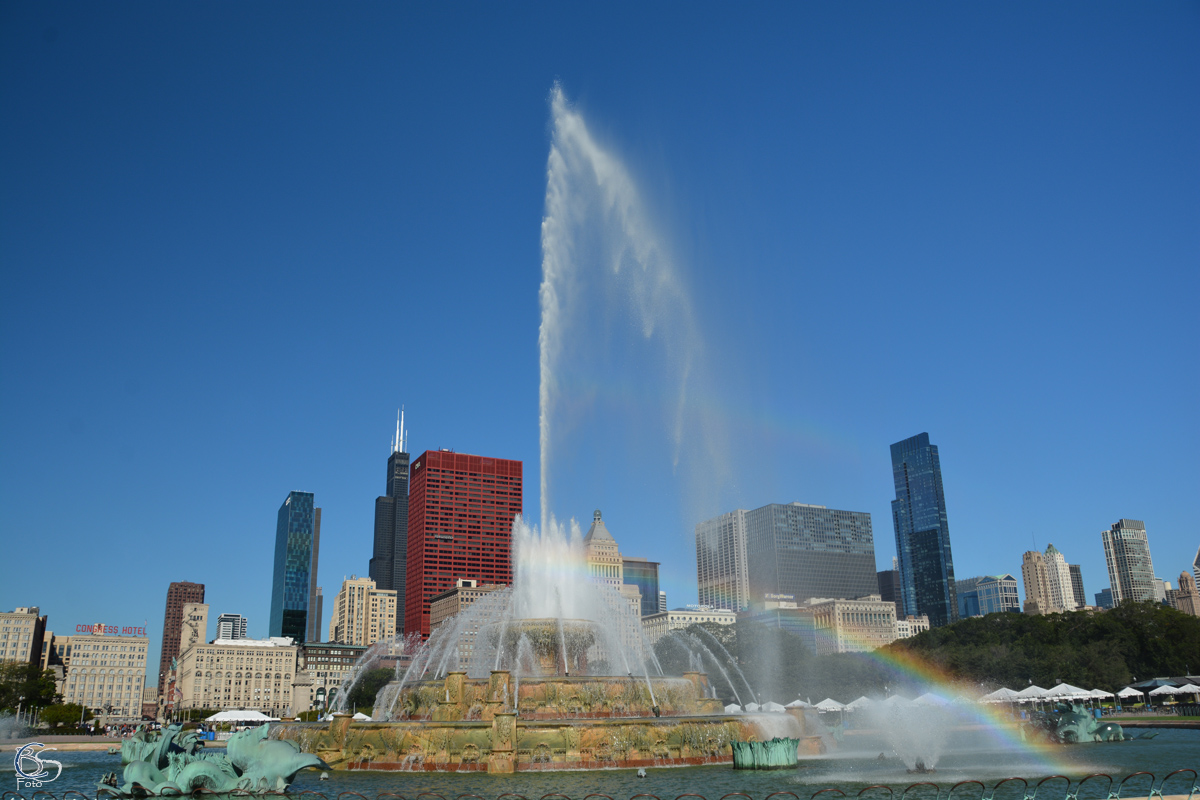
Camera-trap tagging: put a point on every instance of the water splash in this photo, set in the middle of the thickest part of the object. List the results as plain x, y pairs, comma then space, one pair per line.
600, 249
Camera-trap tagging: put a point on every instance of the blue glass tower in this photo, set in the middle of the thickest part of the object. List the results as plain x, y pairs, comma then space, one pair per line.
922, 533
294, 556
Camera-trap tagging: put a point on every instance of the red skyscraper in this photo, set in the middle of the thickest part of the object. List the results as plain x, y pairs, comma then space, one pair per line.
178, 593
460, 517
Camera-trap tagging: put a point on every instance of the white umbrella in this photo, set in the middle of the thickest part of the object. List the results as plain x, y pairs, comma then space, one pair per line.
733, 708
931, 699
829, 704
859, 703
772, 707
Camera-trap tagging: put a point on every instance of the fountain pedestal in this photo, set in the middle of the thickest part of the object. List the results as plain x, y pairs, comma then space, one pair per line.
504, 729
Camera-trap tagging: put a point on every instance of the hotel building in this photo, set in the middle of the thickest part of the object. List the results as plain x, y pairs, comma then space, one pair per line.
656, 626
104, 673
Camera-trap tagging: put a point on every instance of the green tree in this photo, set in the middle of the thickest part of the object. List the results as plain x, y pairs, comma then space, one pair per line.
26, 681
362, 696
69, 715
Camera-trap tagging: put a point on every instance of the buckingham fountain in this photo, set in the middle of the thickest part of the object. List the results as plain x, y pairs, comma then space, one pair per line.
550, 673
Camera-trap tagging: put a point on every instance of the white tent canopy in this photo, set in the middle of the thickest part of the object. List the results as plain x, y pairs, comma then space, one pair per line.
860, 703
1163, 690
752, 707
772, 707
1065, 691
240, 716
733, 708
897, 700
1129, 691
799, 704
829, 704
1099, 694
1031, 692
361, 717
931, 699
1189, 688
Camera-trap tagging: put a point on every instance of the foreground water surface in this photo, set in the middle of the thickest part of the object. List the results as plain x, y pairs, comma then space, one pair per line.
850, 770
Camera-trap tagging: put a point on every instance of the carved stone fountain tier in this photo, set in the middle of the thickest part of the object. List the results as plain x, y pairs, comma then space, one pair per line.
588, 722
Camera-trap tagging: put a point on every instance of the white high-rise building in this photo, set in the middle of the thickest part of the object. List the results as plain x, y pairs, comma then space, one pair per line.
1058, 574
362, 614
721, 570
231, 626
1038, 597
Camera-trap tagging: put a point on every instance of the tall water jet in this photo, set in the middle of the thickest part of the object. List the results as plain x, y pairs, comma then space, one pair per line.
599, 249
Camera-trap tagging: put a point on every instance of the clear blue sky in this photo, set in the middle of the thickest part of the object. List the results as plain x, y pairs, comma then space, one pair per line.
235, 237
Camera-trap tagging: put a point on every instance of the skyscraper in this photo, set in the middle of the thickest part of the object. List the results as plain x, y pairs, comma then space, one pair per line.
643, 574
922, 532
810, 551
178, 594
231, 626
1059, 575
295, 554
460, 517
1077, 585
312, 631
362, 613
388, 567
1039, 599
1196, 567
721, 562
1127, 554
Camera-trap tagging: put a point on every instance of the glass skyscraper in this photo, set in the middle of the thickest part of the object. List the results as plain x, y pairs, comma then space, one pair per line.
295, 556
922, 532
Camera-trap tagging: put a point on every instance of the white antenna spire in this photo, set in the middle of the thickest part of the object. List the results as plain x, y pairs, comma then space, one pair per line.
396, 441
403, 433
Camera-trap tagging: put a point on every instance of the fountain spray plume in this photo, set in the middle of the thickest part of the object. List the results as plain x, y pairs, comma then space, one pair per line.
596, 241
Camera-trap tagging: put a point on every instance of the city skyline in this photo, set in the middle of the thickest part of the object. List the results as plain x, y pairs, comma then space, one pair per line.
832, 187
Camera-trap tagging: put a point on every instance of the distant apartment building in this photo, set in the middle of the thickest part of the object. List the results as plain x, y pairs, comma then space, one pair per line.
656, 626
105, 672
911, 626
321, 669
194, 628
721, 562
297, 538
1127, 555
662, 601
783, 612
1104, 599
1039, 599
231, 626
178, 594
853, 626
1187, 598
363, 614
987, 594
1077, 586
810, 551
452, 601
22, 632
1058, 574
250, 674
922, 532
